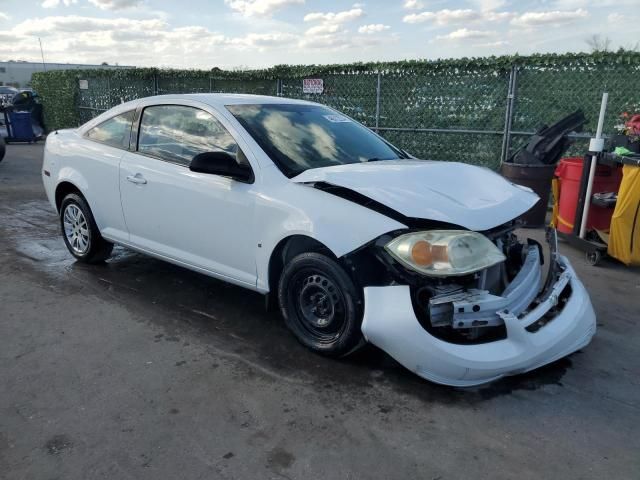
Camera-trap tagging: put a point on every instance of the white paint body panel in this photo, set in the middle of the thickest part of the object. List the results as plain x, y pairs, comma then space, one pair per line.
208, 223
230, 230
465, 195
186, 216
390, 323
94, 169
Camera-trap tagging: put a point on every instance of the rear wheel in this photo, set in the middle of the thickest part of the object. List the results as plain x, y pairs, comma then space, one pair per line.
80, 232
321, 305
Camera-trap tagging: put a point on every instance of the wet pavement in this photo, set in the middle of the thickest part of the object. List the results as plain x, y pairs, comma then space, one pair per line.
138, 369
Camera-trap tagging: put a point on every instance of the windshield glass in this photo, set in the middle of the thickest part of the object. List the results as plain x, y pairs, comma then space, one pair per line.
300, 137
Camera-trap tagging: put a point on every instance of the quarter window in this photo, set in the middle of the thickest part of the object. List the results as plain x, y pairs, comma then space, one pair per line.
178, 133
114, 132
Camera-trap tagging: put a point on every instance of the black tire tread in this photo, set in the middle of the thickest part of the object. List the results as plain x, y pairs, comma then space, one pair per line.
99, 249
349, 342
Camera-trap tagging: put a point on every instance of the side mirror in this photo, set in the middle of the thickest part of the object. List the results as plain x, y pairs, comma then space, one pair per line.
221, 163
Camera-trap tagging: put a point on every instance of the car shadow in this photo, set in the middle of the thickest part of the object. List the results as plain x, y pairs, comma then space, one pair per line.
235, 320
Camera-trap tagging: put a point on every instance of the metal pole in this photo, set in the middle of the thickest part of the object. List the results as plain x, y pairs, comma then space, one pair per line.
44, 67
210, 84
378, 102
508, 114
155, 84
595, 145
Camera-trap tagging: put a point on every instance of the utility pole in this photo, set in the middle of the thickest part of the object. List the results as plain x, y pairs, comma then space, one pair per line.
44, 67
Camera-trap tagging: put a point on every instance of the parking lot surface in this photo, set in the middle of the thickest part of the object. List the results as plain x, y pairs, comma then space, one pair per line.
138, 369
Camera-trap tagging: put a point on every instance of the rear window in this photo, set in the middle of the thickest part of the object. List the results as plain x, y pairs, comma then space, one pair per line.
114, 132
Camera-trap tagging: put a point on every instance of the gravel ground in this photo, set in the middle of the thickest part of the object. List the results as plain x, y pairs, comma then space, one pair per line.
138, 369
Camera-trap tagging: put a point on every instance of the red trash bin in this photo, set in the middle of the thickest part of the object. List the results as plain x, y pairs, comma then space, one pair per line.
569, 173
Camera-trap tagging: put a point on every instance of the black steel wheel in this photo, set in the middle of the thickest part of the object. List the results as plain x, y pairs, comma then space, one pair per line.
321, 305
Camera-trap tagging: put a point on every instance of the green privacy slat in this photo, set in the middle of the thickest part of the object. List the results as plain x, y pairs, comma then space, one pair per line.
414, 96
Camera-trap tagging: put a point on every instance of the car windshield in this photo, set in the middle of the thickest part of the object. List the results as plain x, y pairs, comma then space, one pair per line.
298, 137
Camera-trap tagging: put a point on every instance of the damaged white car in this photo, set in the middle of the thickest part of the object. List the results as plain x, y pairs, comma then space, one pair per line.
353, 239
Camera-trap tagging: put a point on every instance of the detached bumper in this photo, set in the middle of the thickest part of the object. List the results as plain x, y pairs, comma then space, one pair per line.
390, 323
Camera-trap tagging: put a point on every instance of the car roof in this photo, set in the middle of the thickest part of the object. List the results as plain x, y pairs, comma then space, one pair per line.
222, 99
211, 99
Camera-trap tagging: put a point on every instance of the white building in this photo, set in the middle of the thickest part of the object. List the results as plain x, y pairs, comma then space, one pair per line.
18, 73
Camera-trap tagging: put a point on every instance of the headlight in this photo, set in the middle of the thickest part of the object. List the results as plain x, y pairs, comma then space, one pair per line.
445, 252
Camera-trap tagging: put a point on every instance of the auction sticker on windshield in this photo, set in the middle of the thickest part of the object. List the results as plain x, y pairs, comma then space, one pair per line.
337, 118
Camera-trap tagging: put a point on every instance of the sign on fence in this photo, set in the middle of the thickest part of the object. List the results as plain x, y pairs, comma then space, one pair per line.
84, 84
312, 85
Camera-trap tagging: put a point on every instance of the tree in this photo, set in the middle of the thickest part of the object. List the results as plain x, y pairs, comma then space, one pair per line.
598, 43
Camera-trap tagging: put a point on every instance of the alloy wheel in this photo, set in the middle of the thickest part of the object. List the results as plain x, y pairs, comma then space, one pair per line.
76, 229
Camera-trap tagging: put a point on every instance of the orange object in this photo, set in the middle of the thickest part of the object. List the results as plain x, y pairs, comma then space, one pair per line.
569, 174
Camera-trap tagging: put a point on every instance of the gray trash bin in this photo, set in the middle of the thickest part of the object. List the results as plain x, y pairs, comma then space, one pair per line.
537, 178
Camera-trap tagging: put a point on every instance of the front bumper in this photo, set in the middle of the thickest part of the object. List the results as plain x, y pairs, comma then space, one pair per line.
391, 324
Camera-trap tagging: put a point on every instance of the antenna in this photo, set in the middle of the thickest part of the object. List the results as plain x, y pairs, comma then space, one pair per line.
42, 54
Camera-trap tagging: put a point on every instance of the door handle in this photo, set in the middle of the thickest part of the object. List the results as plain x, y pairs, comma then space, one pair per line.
138, 179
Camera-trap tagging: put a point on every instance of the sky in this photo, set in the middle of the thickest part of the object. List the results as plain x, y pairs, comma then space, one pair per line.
261, 33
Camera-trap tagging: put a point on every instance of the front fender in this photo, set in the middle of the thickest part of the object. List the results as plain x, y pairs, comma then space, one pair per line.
342, 226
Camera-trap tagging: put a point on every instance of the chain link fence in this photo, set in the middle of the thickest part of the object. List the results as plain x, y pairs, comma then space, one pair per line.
471, 110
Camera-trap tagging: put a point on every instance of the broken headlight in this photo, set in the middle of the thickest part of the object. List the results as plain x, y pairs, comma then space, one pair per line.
444, 253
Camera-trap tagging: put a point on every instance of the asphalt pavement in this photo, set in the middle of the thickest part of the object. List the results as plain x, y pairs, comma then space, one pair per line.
138, 369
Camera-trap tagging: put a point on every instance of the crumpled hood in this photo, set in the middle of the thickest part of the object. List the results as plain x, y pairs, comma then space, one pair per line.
472, 197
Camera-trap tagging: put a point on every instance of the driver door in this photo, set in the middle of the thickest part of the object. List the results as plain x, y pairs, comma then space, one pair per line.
199, 220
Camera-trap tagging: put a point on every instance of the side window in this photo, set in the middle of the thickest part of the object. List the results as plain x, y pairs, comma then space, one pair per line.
115, 131
178, 133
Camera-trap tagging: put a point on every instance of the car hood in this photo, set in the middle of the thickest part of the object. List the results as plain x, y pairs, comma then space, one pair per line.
472, 197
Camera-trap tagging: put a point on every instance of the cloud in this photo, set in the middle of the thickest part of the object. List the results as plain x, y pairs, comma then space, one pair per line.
115, 4
616, 18
330, 17
4, 16
263, 40
373, 28
76, 24
464, 34
443, 17
413, 4
461, 16
499, 43
330, 31
552, 18
491, 16
323, 29
489, 5
260, 8
84, 39
55, 3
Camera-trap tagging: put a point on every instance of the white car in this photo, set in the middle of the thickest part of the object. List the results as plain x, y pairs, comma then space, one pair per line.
355, 240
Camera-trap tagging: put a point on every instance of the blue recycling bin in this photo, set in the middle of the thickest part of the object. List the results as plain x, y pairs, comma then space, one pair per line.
20, 128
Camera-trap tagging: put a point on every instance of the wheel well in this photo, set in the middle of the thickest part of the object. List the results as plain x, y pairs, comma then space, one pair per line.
287, 249
64, 189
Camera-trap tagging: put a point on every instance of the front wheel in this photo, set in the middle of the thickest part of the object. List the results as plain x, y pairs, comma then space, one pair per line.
80, 232
321, 305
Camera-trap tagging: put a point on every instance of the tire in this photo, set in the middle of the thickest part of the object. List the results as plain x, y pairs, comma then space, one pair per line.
80, 232
321, 305
3, 148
